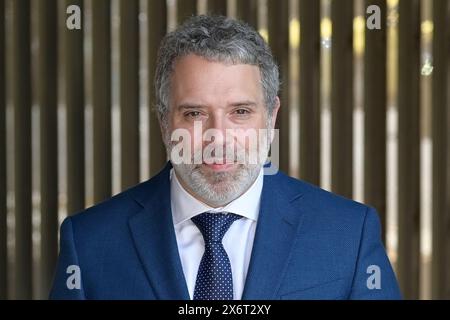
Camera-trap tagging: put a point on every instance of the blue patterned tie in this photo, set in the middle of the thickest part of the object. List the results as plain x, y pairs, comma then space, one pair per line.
214, 278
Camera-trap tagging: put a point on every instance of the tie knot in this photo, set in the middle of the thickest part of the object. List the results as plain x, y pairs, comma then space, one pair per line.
213, 226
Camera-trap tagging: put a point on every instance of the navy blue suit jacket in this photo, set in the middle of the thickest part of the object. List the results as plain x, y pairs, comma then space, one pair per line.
309, 244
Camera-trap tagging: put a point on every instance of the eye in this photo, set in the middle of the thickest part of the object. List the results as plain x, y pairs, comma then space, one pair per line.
192, 114
242, 111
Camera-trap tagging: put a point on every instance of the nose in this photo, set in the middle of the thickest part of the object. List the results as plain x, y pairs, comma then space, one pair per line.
215, 127
216, 121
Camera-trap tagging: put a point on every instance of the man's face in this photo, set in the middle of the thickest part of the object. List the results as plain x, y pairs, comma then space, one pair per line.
212, 99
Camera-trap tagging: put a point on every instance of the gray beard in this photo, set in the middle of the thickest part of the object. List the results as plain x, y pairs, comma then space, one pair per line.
217, 188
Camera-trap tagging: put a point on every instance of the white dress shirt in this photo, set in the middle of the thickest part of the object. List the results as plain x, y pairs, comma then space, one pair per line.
238, 240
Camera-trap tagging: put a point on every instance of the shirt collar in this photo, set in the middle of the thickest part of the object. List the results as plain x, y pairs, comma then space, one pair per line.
185, 206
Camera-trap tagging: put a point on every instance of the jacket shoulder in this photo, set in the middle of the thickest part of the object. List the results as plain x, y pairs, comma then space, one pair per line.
322, 203
114, 212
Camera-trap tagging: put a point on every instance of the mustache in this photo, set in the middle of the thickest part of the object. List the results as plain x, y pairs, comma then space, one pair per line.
224, 154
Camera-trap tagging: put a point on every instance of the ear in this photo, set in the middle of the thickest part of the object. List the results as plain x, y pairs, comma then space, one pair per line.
162, 130
275, 111
274, 118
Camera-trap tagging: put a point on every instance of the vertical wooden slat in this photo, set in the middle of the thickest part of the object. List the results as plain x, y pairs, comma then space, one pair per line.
21, 97
247, 10
47, 100
278, 24
3, 227
342, 98
101, 97
447, 158
185, 9
129, 91
74, 91
440, 105
156, 29
375, 101
310, 91
409, 148
217, 7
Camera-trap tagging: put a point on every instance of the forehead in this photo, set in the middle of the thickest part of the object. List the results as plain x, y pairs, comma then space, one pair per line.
195, 77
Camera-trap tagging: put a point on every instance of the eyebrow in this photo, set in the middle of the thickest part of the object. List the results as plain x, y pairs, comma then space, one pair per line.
244, 103
190, 106
201, 106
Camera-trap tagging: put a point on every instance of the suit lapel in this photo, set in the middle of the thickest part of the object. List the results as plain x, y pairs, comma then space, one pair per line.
277, 227
154, 237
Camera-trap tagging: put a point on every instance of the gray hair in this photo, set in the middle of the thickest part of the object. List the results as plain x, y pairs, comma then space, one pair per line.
220, 39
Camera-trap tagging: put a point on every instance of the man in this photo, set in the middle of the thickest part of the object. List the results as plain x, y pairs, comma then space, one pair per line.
211, 224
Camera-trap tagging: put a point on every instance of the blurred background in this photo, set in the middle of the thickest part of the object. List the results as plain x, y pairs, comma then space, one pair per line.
365, 114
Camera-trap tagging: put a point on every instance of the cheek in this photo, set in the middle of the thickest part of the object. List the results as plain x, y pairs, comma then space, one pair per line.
196, 141
250, 141
260, 121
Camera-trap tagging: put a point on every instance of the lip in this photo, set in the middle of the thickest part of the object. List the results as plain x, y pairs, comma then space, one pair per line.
219, 167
